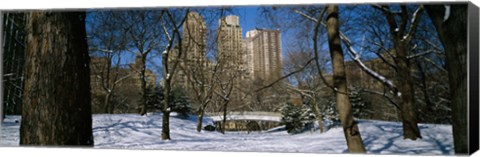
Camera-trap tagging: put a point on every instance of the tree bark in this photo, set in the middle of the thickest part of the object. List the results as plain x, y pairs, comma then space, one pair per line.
56, 101
1, 69
143, 86
453, 35
166, 111
350, 127
318, 115
224, 121
107, 103
201, 112
401, 37
405, 87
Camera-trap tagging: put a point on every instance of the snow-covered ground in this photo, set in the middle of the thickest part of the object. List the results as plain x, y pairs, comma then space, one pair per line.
131, 131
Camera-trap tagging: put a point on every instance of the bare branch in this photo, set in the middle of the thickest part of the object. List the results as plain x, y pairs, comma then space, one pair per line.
414, 24
286, 76
386, 10
122, 78
315, 49
420, 54
434, 64
384, 95
391, 20
354, 55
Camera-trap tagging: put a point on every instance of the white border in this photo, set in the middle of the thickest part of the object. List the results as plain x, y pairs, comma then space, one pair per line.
88, 4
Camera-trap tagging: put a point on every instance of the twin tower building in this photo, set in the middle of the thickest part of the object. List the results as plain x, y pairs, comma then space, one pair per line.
253, 61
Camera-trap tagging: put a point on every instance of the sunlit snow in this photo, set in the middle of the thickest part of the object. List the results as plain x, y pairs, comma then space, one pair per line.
131, 131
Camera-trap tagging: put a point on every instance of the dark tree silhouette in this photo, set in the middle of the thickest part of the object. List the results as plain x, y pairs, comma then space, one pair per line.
452, 30
56, 101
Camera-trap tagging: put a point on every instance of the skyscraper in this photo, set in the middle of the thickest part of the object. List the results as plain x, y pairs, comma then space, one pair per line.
264, 47
194, 38
230, 42
194, 43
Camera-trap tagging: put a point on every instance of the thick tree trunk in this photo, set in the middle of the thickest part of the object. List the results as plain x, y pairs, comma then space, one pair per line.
401, 37
56, 101
453, 35
405, 87
350, 127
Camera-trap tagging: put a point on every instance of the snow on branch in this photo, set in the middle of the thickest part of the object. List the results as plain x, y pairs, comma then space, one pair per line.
166, 31
101, 50
420, 54
414, 24
447, 13
353, 53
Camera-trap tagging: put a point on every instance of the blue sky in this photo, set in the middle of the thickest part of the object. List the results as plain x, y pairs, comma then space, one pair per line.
250, 17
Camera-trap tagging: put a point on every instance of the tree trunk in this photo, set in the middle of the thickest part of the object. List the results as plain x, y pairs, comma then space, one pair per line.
1, 69
143, 87
405, 87
318, 115
453, 35
56, 97
225, 104
424, 87
350, 127
401, 37
201, 112
166, 111
107, 103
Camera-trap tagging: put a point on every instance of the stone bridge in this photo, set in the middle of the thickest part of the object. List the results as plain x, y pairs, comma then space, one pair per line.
247, 121
252, 116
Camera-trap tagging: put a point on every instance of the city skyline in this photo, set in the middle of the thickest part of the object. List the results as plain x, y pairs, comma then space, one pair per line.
248, 17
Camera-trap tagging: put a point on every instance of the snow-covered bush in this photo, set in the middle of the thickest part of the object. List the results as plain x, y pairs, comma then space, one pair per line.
296, 118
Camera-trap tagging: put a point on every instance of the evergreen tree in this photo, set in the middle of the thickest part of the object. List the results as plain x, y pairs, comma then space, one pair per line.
358, 106
296, 118
179, 104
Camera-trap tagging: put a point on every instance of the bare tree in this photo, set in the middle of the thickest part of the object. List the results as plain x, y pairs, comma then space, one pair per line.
225, 83
198, 71
56, 98
169, 72
143, 29
451, 24
350, 127
107, 41
308, 85
401, 36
